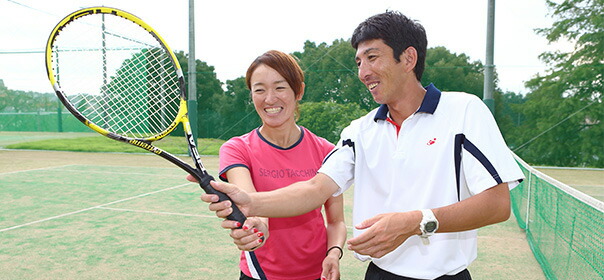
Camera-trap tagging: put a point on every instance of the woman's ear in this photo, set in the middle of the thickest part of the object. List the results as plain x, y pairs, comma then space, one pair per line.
301, 94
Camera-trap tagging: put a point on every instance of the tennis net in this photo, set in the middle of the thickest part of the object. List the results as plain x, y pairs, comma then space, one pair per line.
564, 227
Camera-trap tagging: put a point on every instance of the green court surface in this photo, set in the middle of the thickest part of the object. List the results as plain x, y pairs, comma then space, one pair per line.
86, 221
69, 215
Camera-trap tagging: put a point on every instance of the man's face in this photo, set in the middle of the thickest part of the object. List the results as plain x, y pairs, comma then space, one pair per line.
379, 71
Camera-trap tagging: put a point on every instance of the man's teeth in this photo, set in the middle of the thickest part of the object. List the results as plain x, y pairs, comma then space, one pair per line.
372, 86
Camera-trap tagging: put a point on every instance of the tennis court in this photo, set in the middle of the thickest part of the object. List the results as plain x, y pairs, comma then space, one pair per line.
70, 215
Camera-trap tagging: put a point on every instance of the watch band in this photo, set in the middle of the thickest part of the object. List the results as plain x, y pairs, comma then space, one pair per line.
428, 225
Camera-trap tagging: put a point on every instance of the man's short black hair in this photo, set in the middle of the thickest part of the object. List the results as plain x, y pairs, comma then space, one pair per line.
398, 32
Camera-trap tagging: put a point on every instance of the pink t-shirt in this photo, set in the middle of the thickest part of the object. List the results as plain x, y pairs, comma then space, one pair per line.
296, 246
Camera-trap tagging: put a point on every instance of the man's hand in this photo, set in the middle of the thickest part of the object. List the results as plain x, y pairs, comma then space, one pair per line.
385, 232
223, 208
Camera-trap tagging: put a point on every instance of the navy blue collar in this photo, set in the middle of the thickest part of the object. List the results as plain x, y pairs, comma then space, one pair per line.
281, 148
429, 104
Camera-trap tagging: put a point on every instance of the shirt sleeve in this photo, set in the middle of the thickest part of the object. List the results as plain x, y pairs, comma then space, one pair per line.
232, 154
486, 159
339, 163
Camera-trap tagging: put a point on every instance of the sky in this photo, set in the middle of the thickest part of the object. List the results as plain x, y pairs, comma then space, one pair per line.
230, 34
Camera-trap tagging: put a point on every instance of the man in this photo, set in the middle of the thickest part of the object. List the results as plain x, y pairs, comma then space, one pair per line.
429, 168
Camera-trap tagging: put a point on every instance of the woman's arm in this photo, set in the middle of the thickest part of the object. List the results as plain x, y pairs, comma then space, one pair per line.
336, 236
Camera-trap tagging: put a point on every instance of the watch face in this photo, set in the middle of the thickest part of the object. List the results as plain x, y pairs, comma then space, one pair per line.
430, 226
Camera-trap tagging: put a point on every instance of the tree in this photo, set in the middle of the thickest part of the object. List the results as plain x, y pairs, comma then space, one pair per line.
451, 72
236, 110
4, 102
208, 89
318, 117
509, 116
331, 74
564, 109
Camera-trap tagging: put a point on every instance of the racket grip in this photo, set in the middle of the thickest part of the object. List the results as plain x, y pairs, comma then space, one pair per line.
236, 215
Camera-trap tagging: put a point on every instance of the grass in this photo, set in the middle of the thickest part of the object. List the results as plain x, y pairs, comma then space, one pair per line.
134, 243
148, 237
98, 143
591, 182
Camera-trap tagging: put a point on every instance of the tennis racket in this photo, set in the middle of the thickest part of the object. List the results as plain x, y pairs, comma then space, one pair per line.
118, 76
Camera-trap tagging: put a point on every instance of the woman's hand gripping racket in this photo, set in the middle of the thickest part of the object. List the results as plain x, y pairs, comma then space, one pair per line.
119, 77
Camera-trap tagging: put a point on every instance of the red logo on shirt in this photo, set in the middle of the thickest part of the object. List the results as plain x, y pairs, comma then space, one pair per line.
431, 141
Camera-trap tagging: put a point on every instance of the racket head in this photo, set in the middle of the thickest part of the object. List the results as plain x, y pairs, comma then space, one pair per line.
116, 74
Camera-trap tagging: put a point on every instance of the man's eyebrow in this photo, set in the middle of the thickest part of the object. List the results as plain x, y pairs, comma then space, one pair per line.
369, 50
365, 52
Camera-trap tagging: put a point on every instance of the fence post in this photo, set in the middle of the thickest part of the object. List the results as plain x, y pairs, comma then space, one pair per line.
59, 117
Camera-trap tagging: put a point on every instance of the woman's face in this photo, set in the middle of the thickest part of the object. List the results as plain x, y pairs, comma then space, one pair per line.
274, 99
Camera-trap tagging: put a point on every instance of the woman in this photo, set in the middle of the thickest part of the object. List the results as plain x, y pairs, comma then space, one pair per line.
277, 154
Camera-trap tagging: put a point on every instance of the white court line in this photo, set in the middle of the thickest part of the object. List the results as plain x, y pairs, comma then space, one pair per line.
87, 171
123, 173
157, 212
168, 213
93, 207
36, 169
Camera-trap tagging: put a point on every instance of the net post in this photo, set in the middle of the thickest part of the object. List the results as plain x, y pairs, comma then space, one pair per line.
528, 200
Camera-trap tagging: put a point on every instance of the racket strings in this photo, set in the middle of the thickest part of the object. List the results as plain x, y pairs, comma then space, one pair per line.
117, 75
156, 108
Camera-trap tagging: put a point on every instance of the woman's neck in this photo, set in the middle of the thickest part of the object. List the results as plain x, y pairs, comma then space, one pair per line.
282, 136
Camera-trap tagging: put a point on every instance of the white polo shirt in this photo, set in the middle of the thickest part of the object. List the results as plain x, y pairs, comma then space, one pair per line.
417, 170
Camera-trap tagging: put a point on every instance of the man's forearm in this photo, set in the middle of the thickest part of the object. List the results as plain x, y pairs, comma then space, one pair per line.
486, 208
296, 199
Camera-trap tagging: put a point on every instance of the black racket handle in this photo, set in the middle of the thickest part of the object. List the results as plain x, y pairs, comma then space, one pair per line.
237, 215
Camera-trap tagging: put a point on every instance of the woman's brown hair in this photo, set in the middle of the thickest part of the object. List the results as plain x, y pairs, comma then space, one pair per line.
285, 64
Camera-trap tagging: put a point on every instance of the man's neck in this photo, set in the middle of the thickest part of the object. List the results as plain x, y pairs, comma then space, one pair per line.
410, 100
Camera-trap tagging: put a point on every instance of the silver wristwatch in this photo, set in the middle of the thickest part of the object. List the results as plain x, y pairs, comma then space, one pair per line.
428, 225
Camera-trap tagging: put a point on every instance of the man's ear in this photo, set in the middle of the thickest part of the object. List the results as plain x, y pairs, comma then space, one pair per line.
409, 58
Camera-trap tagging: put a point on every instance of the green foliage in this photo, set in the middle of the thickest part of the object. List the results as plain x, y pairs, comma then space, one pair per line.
237, 113
509, 116
207, 83
564, 109
4, 101
331, 74
26, 101
209, 88
452, 72
327, 119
